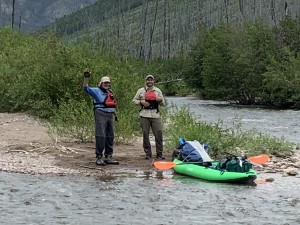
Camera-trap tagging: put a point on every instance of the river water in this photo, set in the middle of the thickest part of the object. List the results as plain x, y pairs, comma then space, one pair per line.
277, 123
156, 197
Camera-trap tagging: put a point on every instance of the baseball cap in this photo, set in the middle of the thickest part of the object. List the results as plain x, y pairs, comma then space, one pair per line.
105, 79
149, 76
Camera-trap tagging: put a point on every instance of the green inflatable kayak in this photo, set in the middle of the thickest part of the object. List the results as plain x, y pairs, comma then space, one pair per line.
211, 174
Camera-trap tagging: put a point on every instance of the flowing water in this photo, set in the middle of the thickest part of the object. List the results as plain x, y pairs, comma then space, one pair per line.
156, 197
277, 123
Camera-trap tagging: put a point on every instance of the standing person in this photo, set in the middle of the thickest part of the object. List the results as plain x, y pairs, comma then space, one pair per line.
150, 98
104, 111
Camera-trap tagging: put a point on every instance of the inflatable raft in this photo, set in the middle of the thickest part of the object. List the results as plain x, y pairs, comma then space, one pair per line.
211, 174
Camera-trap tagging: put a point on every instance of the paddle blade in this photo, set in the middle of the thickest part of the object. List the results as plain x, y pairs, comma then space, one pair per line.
161, 165
259, 159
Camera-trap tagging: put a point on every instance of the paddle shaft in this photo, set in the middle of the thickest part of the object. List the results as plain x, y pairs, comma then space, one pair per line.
169, 165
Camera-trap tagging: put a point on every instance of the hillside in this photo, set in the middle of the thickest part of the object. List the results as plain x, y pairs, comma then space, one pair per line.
162, 28
33, 15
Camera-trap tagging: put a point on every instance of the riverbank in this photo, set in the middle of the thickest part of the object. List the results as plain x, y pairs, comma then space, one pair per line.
26, 147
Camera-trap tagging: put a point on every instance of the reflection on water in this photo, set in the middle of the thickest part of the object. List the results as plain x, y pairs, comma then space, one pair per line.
278, 123
152, 198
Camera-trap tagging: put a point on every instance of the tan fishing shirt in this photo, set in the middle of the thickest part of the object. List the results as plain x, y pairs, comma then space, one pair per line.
140, 95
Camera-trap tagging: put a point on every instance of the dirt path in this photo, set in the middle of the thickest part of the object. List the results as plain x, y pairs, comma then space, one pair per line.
26, 147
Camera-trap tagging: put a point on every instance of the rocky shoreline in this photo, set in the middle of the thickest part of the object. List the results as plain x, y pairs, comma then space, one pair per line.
38, 161
25, 147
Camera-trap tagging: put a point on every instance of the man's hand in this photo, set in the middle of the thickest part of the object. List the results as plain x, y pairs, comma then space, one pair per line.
87, 73
144, 103
159, 99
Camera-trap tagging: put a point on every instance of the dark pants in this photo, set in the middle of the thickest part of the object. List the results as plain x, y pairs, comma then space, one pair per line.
104, 133
155, 124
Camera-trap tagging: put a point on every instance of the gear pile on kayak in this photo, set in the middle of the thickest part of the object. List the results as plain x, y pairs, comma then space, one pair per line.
191, 158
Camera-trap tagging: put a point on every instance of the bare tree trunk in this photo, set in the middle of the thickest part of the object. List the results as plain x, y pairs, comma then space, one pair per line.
119, 20
143, 29
200, 6
20, 22
209, 14
165, 30
273, 14
241, 6
152, 32
122, 25
259, 8
226, 10
13, 14
169, 32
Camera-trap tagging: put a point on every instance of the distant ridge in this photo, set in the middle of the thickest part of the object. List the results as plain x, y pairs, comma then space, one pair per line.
36, 14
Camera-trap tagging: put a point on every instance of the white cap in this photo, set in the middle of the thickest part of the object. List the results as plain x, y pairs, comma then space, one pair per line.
105, 79
149, 76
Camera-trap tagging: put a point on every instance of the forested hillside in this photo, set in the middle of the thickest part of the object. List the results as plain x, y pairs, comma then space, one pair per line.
162, 28
33, 14
241, 51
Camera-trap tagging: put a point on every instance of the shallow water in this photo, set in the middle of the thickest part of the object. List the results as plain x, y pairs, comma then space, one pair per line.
161, 197
151, 198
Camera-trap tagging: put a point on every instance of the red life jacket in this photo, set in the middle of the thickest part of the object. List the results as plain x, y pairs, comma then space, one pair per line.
110, 101
150, 97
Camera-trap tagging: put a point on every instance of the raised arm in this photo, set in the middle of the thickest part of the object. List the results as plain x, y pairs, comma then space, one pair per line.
86, 76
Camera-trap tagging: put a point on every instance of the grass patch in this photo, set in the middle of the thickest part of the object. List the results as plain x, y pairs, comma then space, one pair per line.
221, 139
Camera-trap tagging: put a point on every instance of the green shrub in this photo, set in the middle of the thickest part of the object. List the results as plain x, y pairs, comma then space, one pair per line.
221, 140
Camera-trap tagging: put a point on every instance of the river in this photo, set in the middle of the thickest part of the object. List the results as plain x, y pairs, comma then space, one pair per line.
277, 123
156, 197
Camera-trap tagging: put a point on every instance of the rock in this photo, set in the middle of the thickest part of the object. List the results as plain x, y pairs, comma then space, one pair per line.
293, 159
283, 167
270, 179
291, 171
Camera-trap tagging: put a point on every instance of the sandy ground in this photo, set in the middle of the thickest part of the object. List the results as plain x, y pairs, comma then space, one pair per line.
26, 147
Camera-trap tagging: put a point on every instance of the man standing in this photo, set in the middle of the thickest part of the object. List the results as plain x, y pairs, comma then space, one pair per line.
104, 111
150, 98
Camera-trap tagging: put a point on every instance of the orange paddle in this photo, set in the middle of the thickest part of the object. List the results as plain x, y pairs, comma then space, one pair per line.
163, 165
259, 159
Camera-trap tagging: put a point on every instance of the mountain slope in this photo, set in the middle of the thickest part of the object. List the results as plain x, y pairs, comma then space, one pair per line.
33, 14
162, 28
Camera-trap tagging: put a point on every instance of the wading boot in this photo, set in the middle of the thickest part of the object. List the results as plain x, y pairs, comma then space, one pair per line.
109, 160
160, 157
148, 157
100, 162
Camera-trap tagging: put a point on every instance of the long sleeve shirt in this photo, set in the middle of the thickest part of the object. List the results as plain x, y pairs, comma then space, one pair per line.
98, 98
140, 95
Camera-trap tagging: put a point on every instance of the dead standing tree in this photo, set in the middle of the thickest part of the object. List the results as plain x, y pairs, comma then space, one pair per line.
20, 22
152, 32
169, 31
163, 49
226, 3
273, 14
13, 14
141, 52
